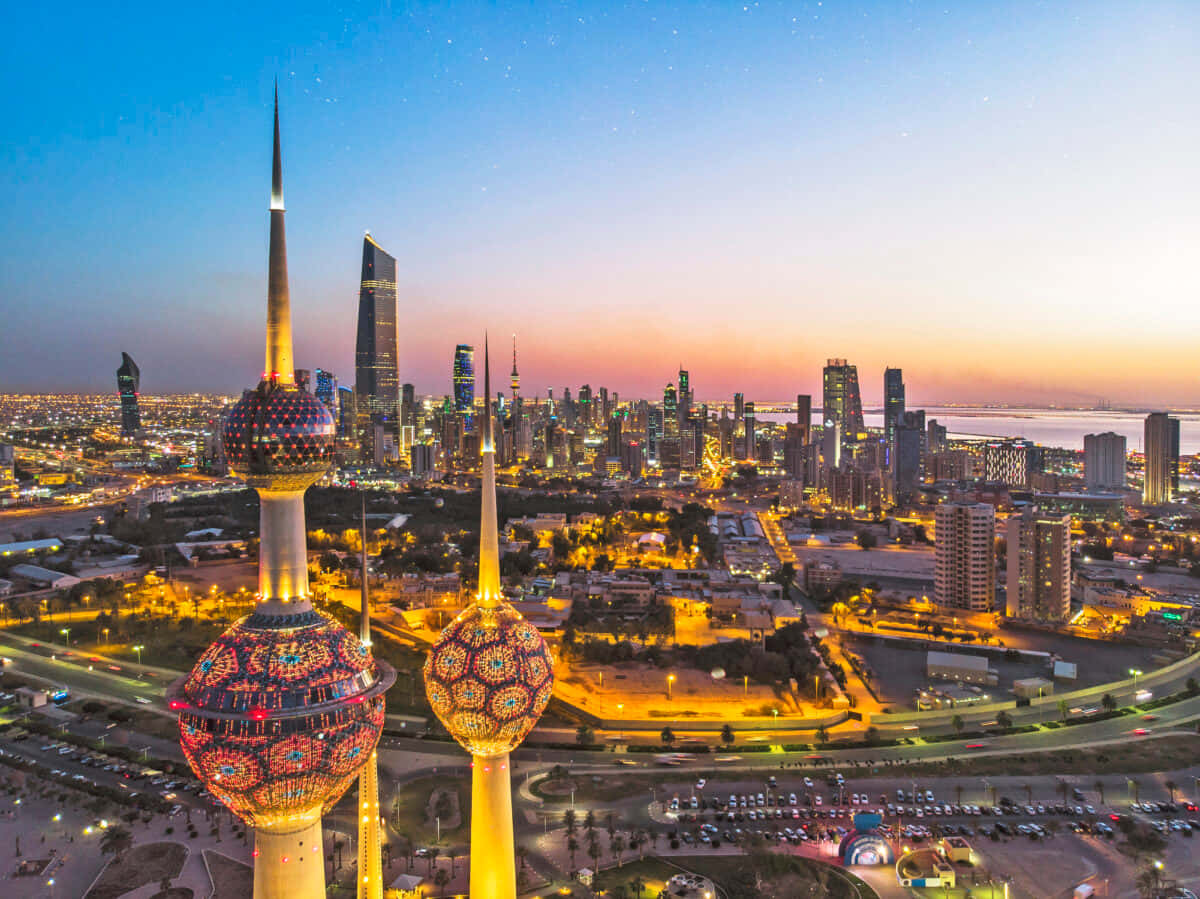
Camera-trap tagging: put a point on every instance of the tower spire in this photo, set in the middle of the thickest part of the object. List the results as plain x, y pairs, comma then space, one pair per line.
279, 368
489, 540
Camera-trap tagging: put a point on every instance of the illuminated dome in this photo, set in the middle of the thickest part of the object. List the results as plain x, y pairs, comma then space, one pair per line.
273, 433
280, 713
489, 677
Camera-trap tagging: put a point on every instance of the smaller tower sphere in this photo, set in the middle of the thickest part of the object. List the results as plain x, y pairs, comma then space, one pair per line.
279, 438
489, 677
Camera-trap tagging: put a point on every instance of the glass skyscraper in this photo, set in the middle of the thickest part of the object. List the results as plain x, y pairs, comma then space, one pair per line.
376, 371
464, 384
842, 402
129, 379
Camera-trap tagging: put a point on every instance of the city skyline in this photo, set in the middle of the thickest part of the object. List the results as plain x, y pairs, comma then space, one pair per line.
582, 169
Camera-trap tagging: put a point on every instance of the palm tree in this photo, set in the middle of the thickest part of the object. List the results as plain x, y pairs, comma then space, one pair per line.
727, 735
522, 852
1062, 709
440, 880
1028, 793
569, 820
610, 824
638, 886
667, 736
1137, 789
1062, 789
822, 734
957, 723
616, 845
637, 842
593, 851
1099, 786
589, 822
1171, 788
572, 848
433, 854
958, 791
1109, 702
1005, 721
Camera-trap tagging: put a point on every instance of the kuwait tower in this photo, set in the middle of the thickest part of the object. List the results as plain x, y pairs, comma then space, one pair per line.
285, 708
489, 676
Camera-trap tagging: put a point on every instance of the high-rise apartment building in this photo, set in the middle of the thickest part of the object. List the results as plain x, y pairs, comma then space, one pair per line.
750, 420
1104, 461
905, 453
376, 370
129, 380
1011, 462
1039, 567
739, 404
842, 401
464, 385
965, 556
408, 406
1162, 458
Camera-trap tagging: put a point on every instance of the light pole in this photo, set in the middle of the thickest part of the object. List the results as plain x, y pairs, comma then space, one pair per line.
670, 682
621, 720
745, 686
1135, 673
67, 632
138, 649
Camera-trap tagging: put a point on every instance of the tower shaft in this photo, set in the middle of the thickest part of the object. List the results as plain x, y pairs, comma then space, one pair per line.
290, 862
370, 864
282, 552
493, 859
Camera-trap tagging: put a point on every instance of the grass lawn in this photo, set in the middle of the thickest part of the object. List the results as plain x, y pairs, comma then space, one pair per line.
231, 880
414, 804
608, 788
141, 865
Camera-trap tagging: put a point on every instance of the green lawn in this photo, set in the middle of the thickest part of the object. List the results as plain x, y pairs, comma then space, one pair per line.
654, 873
413, 819
141, 865
781, 875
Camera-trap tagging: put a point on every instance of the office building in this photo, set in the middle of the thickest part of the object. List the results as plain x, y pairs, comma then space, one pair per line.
749, 419
1039, 567
739, 403
965, 556
129, 381
376, 369
842, 402
905, 455
1104, 461
1162, 459
670, 412
326, 390
804, 417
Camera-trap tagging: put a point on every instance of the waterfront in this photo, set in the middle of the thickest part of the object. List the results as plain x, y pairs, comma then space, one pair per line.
1049, 427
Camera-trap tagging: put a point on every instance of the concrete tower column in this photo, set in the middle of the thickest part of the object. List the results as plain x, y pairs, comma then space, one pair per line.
291, 860
493, 857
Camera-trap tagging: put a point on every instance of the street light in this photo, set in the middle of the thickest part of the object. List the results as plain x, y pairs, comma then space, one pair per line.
620, 709
138, 649
670, 682
67, 632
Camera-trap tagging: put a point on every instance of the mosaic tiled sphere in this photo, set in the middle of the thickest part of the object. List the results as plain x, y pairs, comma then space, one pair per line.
280, 713
489, 677
279, 437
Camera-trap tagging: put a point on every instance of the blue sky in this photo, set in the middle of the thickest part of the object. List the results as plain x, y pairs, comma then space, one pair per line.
998, 197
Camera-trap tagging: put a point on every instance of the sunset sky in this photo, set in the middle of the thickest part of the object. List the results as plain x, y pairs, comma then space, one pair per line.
999, 198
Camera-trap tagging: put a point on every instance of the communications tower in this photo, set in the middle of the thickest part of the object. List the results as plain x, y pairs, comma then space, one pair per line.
282, 711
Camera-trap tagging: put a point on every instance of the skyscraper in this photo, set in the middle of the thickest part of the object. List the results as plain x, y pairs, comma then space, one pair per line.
129, 380
464, 385
489, 677
376, 370
1104, 461
327, 391
408, 406
749, 417
1162, 458
283, 709
965, 556
842, 402
804, 417
1039, 567
1011, 462
670, 412
893, 407
739, 402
